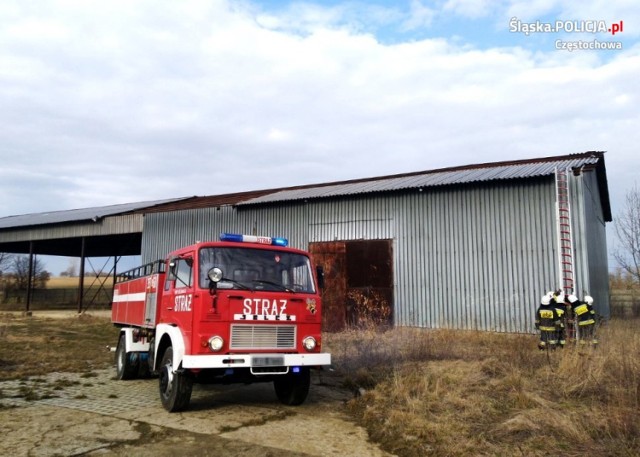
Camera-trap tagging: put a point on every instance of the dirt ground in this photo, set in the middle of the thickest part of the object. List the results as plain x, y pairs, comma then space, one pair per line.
70, 414
101, 416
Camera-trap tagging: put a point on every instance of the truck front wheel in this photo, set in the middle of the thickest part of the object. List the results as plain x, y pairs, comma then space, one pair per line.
292, 389
126, 363
175, 386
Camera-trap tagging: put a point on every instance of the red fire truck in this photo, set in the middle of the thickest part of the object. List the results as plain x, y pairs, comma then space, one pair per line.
243, 309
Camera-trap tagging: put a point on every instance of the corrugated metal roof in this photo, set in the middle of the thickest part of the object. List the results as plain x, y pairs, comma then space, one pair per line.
210, 201
77, 215
448, 176
433, 178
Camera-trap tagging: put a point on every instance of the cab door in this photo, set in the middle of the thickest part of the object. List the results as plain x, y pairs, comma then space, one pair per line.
179, 297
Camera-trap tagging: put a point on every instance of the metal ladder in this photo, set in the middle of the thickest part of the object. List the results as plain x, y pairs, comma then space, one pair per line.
565, 241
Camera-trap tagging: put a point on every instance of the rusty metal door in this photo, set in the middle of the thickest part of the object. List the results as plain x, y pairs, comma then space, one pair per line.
332, 257
358, 282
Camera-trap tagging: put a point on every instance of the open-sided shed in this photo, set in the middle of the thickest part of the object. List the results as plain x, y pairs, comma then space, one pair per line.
471, 247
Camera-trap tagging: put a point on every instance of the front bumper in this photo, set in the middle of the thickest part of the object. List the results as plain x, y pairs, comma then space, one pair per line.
254, 360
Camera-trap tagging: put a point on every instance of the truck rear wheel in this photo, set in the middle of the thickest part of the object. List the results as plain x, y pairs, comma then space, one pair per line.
175, 386
292, 389
126, 363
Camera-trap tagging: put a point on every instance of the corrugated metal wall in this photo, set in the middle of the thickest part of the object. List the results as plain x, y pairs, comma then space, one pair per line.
475, 258
472, 257
590, 242
164, 232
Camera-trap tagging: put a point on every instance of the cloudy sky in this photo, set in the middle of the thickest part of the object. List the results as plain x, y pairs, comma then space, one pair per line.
105, 102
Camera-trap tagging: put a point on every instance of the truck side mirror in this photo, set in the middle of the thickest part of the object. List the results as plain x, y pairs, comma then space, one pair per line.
320, 275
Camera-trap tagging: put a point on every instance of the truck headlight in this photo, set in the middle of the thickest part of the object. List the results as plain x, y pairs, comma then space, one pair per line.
309, 343
216, 343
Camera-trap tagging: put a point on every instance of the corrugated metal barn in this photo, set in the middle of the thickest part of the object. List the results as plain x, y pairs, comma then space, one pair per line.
470, 247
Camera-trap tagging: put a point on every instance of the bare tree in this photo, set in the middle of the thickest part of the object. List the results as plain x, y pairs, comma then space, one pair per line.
20, 272
5, 262
5, 265
627, 226
72, 269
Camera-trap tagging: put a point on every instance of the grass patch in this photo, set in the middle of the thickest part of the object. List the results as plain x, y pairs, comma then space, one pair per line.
457, 393
61, 384
32, 346
28, 393
258, 421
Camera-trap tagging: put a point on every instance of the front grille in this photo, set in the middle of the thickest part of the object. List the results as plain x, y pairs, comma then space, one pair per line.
263, 337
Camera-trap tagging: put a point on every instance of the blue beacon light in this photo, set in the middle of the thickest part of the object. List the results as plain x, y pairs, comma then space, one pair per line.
238, 238
231, 237
280, 242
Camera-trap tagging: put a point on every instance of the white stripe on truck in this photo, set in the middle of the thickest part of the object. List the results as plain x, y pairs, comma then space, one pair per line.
140, 296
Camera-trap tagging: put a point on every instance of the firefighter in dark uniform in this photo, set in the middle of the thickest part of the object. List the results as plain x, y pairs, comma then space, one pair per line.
558, 300
547, 322
586, 317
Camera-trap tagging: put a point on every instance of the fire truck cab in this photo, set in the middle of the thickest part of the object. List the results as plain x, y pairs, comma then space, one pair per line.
243, 309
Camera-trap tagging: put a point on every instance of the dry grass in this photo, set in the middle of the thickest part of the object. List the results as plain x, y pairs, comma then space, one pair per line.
66, 282
32, 346
425, 392
469, 393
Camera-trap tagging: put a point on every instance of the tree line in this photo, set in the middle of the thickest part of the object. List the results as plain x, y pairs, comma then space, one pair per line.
14, 272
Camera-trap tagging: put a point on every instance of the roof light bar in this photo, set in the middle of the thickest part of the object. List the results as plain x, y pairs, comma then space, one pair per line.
237, 238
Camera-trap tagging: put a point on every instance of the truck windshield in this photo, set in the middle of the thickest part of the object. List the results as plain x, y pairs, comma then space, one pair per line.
257, 269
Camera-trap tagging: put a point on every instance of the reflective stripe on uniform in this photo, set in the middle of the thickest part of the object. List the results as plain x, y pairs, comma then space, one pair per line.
581, 309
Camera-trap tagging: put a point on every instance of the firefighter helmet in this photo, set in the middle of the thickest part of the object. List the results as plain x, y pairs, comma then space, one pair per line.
545, 300
588, 299
573, 299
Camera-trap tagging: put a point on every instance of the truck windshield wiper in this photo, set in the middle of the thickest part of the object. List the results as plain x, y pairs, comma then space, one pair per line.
274, 284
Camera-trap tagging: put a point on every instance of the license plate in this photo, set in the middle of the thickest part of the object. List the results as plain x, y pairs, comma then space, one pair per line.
267, 361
